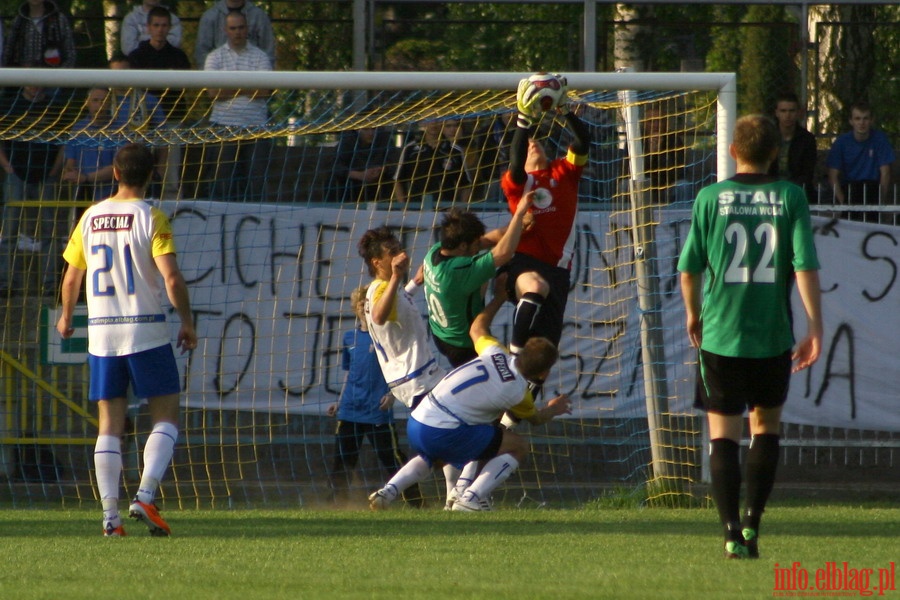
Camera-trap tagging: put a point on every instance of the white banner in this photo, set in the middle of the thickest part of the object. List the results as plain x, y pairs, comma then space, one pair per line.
270, 288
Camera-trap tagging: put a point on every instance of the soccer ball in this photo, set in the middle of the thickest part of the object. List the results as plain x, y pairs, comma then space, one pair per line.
550, 89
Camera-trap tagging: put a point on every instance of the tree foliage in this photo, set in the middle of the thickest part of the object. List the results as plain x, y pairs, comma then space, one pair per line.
858, 45
724, 55
767, 66
857, 58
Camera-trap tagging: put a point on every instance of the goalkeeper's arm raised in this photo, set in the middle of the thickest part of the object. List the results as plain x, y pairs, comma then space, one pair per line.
581, 143
518, 150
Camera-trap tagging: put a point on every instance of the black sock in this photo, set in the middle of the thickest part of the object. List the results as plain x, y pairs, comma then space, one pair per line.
725, 475
762, 463
527, 310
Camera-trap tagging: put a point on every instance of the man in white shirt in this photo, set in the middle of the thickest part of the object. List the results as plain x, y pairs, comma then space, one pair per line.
238, 170
210, 31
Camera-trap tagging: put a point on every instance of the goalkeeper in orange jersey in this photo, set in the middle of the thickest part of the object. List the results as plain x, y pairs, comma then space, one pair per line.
538, 281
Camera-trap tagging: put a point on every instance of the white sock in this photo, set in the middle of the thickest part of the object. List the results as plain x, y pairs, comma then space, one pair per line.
451, 475
495, 472
467, 476
108, 469
414, 471
157, 456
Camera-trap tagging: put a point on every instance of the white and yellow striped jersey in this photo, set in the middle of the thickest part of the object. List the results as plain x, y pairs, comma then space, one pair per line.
115, 242
478, 392
402, 346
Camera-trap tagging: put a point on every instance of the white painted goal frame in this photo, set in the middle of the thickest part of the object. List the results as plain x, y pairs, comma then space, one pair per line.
722, 84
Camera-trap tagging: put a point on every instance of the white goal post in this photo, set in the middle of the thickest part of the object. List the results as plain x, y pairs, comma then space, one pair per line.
632, 246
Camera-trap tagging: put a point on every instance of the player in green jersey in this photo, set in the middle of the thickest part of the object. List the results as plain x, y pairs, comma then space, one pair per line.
750, 239
456, 271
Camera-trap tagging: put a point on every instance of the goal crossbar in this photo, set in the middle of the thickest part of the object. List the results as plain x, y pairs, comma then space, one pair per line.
357, 80
725, 84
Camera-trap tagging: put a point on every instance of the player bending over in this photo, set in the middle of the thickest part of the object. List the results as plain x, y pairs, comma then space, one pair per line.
455, 422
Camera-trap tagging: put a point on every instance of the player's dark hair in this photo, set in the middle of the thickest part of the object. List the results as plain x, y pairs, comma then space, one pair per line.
371, 245
460, 227
159, 11
756, 138
536, 358
134, 164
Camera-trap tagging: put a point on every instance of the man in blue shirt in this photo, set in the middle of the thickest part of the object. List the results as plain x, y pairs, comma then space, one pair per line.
859, 163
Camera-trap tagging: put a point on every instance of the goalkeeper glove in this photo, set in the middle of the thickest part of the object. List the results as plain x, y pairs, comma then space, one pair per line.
523, 121
526, 100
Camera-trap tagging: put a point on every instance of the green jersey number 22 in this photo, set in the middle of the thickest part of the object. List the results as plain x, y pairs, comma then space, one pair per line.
738, 237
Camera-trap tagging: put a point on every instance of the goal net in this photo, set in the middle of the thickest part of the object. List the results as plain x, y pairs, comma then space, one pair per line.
267, 214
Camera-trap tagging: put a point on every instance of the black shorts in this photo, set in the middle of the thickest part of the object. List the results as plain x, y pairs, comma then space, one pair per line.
456, 355
549, 323
729, 385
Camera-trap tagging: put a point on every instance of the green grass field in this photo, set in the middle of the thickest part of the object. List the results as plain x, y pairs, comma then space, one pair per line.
510, 553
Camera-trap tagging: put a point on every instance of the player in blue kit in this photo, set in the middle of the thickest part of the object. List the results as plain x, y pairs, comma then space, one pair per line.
750, 239
123, 247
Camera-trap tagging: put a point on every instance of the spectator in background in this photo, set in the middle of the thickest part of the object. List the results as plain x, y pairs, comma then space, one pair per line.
859, 163
796, 160
89, 157
137, 110
434, 167
40, 34
136, 27
158, 53
237, 170
211, 30
131, 107
493, 140
366, 408
365, 154
31, 168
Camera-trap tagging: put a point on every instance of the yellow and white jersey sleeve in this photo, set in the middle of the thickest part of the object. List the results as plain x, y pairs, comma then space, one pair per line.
402, 345
116, 242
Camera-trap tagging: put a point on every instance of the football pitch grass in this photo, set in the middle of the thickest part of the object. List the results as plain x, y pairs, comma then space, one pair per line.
591, 552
